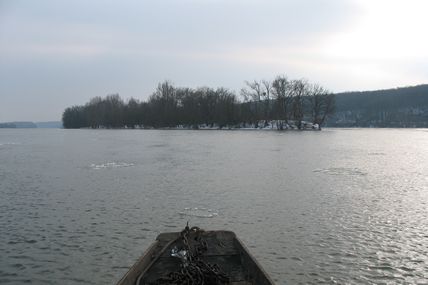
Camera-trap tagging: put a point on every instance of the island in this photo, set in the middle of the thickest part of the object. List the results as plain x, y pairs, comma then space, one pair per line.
279, 104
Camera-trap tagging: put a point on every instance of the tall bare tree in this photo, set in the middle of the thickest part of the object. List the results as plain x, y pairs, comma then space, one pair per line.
281, 93
164, 102
322, 104
253, 92
267, 90
299, 89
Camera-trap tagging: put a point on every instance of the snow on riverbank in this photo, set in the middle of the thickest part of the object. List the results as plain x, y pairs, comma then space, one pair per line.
261, 125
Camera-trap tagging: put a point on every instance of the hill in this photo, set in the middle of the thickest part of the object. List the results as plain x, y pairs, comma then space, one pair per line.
399, 107
31, 125
18, 125
49, 125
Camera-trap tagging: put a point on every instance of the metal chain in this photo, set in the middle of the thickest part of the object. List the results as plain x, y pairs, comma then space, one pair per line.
194, 271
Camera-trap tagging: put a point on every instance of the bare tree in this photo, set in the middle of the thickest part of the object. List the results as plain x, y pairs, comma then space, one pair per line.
95, 112
254, 93
130, 116
299, 89
322, 104
164, 104
281, 93
267, 90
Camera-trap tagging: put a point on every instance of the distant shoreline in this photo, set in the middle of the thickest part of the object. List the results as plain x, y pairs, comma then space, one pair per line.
31, 125
216, 129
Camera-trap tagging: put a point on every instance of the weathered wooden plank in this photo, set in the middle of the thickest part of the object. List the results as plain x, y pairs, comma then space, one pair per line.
166, 237
224, 249
141, 264
253, 269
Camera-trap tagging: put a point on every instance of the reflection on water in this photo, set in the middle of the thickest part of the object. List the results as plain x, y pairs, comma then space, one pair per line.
337, 206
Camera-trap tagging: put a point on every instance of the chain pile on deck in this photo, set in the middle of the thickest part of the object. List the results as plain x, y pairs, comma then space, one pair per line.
193, 269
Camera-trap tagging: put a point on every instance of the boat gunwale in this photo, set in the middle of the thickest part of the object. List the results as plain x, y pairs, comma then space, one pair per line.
129, 277
252, 259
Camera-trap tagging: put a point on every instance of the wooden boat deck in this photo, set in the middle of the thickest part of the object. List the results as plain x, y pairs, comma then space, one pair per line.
224, 249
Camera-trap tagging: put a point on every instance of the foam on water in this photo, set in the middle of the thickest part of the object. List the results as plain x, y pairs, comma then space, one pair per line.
109, 165
9, 143
199, 212
376, 153
342, 171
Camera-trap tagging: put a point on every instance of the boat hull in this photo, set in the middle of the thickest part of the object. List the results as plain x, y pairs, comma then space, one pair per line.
223, 249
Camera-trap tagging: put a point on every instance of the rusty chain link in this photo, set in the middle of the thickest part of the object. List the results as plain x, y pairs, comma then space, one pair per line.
193, 269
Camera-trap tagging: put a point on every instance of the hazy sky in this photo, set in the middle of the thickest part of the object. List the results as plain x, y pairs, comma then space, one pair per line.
54, 54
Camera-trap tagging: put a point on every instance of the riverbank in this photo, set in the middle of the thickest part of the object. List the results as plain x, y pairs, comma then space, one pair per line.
276, 125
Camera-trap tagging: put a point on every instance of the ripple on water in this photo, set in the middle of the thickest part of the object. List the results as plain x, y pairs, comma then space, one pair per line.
109, 165
9, 143
342, 171
198, 212
373, 231
377, 153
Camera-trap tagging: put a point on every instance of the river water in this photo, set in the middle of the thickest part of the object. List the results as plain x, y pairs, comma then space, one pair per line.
345, 206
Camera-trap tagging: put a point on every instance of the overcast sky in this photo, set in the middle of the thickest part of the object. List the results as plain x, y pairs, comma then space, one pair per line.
54, 54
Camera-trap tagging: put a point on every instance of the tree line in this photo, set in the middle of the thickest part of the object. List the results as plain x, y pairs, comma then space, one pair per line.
283, 101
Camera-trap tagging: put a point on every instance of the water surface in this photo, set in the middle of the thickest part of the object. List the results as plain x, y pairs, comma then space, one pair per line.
337, 206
